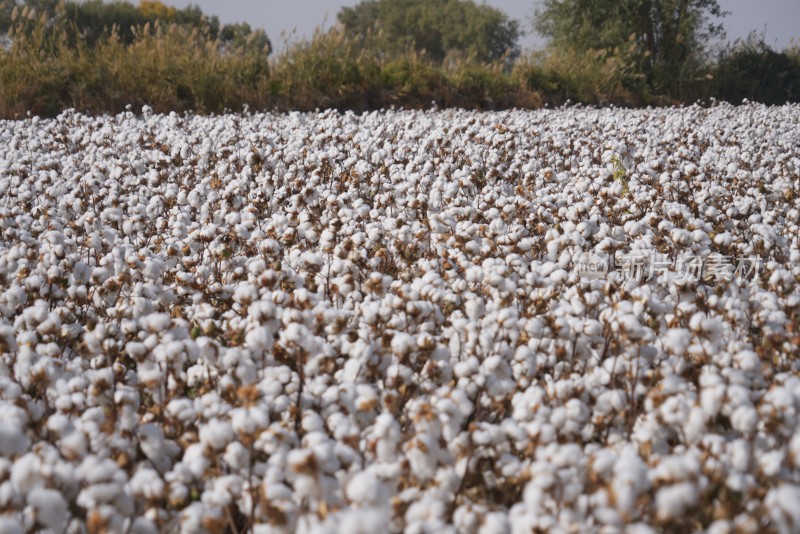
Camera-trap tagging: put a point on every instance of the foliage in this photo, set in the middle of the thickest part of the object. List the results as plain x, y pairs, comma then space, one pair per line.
587, 76
90, 20
188, 63
751, 69
437, 27
669, 36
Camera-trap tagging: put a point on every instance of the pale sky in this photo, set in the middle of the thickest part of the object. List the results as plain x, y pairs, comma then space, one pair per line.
780, 18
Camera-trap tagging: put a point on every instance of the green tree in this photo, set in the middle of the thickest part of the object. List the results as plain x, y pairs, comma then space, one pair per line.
438, 27
666, 39
90, 20
752, 69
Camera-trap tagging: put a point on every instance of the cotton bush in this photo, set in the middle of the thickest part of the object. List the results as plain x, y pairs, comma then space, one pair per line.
333, 322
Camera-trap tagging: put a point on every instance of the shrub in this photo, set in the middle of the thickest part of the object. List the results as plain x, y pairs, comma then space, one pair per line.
752, 70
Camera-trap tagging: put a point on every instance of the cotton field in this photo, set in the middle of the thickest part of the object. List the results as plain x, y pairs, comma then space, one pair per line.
572, 320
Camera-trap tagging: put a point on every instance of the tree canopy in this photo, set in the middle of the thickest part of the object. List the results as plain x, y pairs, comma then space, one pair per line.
667, 36
90, 20
437, 27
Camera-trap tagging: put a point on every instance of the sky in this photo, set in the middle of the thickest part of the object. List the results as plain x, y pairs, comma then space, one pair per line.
295, 19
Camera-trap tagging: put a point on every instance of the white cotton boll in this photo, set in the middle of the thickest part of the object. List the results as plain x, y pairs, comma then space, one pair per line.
426, 509
771, 462
630, 480
49, 507
216, 434
260, 339
191, 519
695, 426
403, 343
9, 525
143, 525
26, 474
245, 294
677, 340
745, 419
196, 459
640, 528
422, 461
675, 500
155, 322
720, 526
74, 445
275, 491
363, 521
151, 440
12, 441
592, 328
748, 361
237, 456
794, 449
739, 455
248, 421
365, 489
147, 483
495, 523
782, 506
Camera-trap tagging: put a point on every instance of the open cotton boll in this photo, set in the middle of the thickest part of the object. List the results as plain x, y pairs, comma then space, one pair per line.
12, 441
26, 473
365, 489
677, 340
782, 505
744, 419
675, 500
362, 521
343, 322
147, 483
49, 507
216, 434
10, 525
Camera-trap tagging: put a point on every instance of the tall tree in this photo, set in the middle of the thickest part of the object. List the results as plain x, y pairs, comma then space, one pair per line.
668, 37
436, 26
90, 20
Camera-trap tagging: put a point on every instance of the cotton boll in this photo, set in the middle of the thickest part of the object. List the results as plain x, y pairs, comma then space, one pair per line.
675, 500
195, 458
794, 449
9, 525
744, 419
260, 339
363, 521
495, 523
74, 445
216, 434
147, 483
630, 480
677, 340
781, 503
49, 507
26, 473
151, 440
12, 441
748, 361
142, 525
640, 528
365, 489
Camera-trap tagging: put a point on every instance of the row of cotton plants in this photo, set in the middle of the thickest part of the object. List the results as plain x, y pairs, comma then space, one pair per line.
573, 320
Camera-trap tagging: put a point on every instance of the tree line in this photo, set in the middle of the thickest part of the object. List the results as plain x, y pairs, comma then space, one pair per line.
99, 55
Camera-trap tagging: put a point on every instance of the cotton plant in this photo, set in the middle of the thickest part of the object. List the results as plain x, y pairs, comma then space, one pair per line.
330, 322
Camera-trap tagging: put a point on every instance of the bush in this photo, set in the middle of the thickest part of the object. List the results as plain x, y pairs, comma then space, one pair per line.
181, 67
752, 70
588, 77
